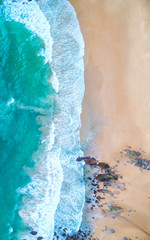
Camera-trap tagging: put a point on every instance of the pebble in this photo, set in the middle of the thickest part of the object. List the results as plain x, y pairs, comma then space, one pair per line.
112, 216
33, 232
111, 231
124, 238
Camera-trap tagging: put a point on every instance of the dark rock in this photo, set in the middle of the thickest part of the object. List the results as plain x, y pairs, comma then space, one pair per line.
40, 238
104, 191
132, 153
88, 160
140, 162
107, 184
98, 198
103, 165
89, 178
33, 232
88, 200
106, 177
94, 184
115, 177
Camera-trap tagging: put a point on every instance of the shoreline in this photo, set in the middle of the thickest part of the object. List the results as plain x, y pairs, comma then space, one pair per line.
116, 107
116, 60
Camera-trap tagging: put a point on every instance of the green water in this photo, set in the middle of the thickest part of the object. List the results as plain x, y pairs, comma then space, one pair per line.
23, 77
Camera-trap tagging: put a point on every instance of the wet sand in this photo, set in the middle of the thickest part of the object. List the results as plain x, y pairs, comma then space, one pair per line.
116, 106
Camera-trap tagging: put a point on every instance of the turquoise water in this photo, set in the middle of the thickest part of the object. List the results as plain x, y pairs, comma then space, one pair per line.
24, 88
41, 91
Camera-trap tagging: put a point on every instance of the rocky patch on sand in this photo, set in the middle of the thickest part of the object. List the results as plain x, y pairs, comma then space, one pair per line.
135, 157
103, 183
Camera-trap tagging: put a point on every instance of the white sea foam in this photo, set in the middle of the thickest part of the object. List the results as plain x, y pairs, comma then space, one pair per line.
67, 62
12, 100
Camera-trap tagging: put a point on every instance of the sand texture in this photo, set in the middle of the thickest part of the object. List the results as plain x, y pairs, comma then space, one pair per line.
116, 107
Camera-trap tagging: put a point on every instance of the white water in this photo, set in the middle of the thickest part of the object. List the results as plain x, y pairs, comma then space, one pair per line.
67, 62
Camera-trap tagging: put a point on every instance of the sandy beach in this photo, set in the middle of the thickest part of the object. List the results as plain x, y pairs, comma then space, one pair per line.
116, 108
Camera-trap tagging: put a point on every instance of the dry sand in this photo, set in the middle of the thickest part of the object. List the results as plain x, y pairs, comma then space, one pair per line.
116, 106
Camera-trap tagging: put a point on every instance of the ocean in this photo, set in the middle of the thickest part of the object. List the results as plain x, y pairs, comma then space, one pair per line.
42, 86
